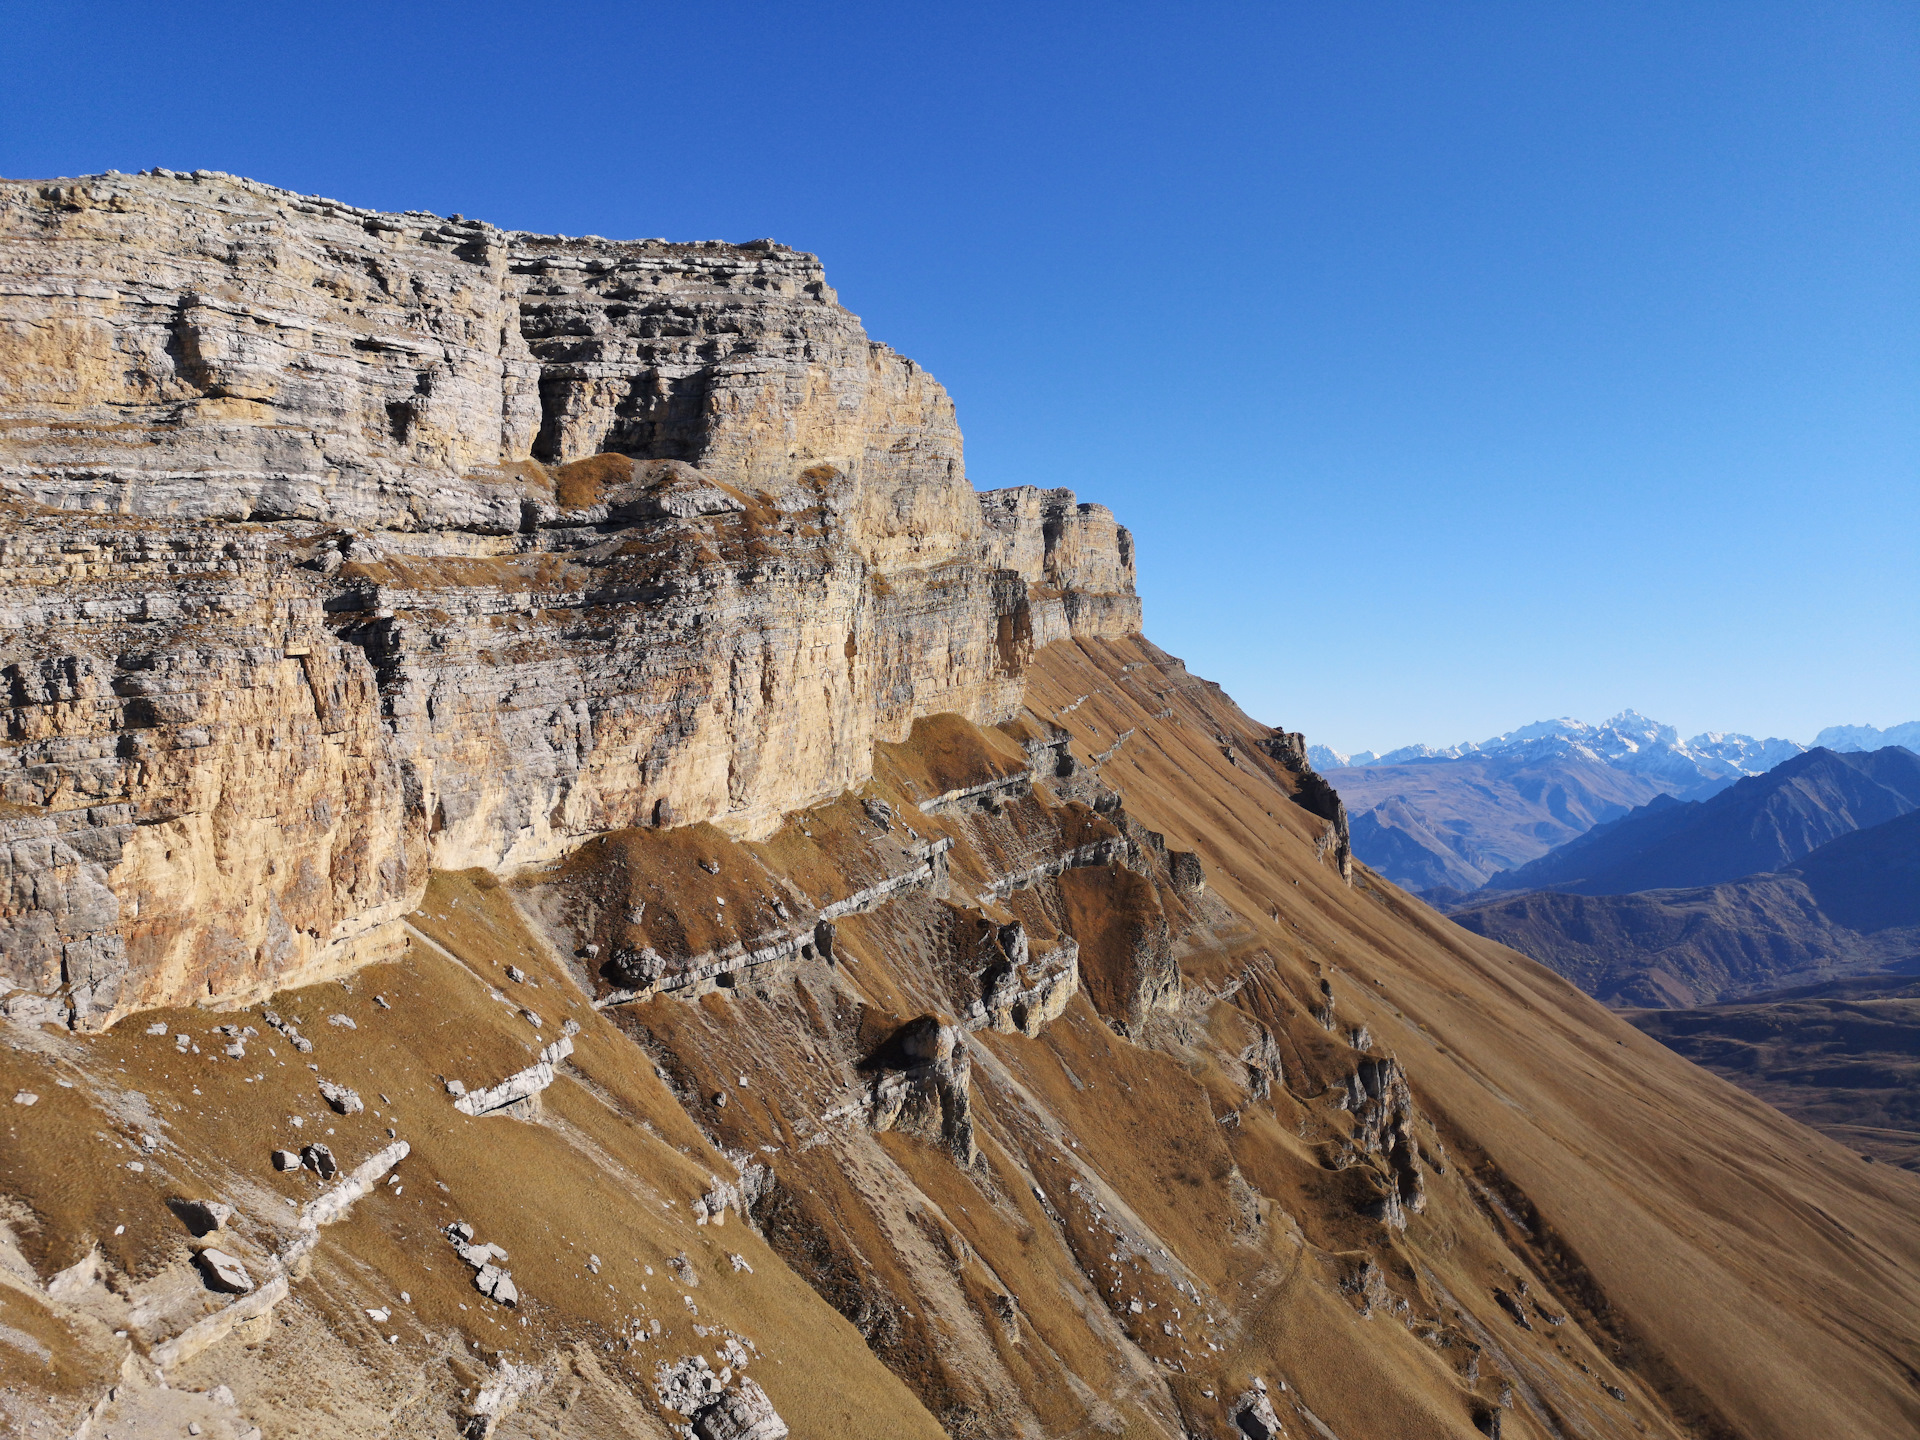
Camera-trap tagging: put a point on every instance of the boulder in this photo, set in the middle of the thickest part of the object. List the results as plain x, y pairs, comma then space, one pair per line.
224, 1273
743, 1413
1252, 1413
496, 1284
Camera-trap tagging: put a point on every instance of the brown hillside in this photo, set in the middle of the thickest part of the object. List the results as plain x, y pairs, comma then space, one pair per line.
1599, 1238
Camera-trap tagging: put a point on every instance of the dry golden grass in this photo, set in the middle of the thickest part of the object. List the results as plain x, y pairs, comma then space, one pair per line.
584, 483
610, 1168
1728, 1271
1752, 1276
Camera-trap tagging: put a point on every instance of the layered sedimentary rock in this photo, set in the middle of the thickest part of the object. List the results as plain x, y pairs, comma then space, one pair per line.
345, 545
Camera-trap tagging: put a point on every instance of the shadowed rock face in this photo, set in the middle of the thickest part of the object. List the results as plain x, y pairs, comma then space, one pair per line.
347, 545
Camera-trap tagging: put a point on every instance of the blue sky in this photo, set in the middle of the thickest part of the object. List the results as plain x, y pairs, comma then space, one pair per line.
1455, 364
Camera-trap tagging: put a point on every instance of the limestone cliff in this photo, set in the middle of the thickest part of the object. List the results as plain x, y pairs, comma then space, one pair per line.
653, 909
348, 545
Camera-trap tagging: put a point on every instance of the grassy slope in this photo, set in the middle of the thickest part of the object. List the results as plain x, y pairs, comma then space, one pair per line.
1763, 1272
610, 1170
1724, 1269
1843, 1057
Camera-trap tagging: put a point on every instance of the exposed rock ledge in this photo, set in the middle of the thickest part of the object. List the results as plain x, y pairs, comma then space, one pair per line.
352, 545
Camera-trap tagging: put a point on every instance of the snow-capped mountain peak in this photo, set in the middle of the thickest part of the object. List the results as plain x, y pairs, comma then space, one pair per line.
1628, 741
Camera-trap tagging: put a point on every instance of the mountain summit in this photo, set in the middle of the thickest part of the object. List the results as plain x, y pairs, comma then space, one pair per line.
1630, 742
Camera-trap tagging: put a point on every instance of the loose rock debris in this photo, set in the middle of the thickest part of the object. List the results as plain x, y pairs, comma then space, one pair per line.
488, 1278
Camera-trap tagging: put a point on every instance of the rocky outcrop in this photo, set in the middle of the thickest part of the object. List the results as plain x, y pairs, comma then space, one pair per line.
923, 1085
1382, 1106
1019, 991
359, 1183
1314, 795
644, 973
1075, 558
519, 1087
349, 545
743, 1413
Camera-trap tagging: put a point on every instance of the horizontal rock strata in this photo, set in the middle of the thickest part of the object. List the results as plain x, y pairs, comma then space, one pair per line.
343, 546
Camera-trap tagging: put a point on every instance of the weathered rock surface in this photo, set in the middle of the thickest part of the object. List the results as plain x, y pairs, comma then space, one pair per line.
743, 1413
923, 1085
348, 545
1019, 991
224, 1272
519, 1086
356, 1184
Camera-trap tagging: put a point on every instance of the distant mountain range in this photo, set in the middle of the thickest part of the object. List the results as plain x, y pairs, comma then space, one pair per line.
1447, 820
1864, 737
1446, 828
1631, 734
1760, 823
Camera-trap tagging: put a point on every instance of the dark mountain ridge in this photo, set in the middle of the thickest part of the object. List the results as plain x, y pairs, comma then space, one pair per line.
1853, 905
1761, 824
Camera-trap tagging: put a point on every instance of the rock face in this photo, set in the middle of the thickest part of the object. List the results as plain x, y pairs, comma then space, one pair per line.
744, 1413
349, 545
1315, 795
923, 1085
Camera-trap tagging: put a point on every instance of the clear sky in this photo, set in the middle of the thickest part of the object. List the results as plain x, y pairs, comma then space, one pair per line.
1455, 364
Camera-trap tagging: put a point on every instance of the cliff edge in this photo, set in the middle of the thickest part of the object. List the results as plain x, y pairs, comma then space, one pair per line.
343, 546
